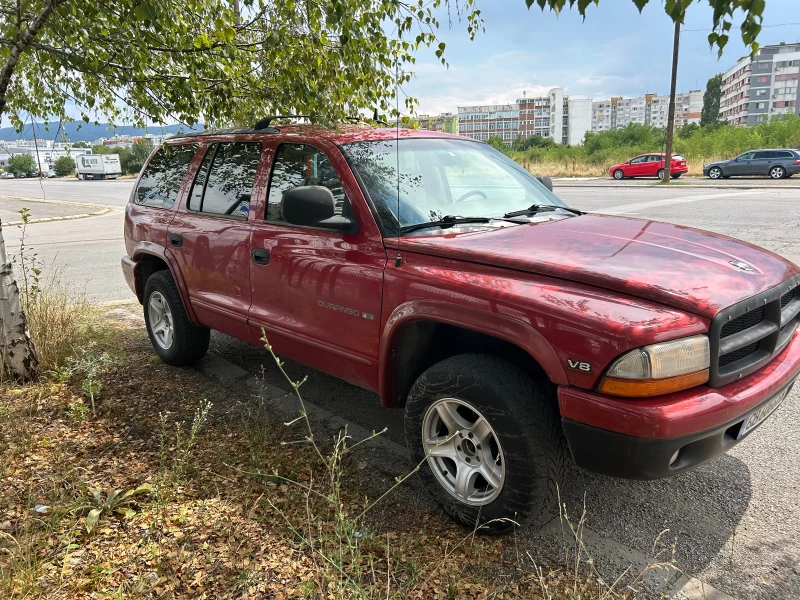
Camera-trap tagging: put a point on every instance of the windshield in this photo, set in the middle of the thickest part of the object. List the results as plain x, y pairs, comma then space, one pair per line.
441, 177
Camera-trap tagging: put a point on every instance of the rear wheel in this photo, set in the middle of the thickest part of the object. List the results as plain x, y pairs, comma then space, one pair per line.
677, 176
489, 439
172, 335
618, 174
777, 172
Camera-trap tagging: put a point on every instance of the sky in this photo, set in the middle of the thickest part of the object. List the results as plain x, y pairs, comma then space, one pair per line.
616, 51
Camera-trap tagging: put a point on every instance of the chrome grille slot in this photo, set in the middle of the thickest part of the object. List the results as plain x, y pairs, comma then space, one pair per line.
747, 335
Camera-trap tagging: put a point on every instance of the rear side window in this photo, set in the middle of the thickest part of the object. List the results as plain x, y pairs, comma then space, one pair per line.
224, 182
162, 177
784, 154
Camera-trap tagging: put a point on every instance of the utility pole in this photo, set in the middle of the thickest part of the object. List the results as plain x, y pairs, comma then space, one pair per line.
671, 112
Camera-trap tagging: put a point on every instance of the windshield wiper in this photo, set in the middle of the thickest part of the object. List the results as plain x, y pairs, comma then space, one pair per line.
445, 221
537, 208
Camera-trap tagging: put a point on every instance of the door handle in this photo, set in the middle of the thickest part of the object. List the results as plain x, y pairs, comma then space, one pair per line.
176, 240
260, 257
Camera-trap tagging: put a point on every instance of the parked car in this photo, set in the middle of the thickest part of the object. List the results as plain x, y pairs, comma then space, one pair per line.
778, 163
649, 165
515, 332
50, 174
7, 175
20, 175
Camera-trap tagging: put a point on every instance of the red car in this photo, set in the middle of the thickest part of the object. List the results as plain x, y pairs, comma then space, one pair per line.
649, 165
514, 331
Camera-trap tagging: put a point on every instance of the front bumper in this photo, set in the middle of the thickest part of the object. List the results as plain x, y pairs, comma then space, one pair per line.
638, 439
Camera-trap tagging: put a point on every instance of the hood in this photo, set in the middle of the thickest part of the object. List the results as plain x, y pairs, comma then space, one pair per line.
719, 163
677, 266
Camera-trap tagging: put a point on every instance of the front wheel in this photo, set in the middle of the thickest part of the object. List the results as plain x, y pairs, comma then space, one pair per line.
777, 172
172, 335
715, 173
619, 175
661, 173
490, 442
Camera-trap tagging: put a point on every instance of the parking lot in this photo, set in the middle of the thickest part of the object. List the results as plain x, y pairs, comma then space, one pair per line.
736, 519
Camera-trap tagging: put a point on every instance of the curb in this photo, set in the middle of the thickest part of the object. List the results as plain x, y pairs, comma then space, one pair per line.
101, 210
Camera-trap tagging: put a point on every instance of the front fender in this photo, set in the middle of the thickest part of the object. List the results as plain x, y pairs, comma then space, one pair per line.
496, 325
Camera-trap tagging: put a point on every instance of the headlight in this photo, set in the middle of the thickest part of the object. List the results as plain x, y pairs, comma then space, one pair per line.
659, 369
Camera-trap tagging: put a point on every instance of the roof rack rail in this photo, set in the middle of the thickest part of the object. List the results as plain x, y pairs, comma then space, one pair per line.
265, 122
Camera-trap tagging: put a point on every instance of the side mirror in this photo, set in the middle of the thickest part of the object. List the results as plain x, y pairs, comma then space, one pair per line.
546, 181
314, 206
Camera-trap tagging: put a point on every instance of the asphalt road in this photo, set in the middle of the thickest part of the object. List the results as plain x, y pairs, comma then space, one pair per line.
736, 519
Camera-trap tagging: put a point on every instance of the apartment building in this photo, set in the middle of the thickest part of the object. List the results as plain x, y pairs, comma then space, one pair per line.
554, 116
757, 88
649, 109
446, 122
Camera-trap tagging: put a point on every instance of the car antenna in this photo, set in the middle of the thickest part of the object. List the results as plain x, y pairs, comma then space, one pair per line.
399, 258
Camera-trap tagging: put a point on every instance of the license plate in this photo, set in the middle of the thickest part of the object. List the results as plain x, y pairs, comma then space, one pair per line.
755, 419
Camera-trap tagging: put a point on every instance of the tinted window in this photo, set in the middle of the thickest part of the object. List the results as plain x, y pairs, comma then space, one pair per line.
747, 156
297, 165
224, 182
784, 154
163, 175
762, 155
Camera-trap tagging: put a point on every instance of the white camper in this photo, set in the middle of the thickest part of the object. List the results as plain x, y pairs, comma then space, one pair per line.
97, 166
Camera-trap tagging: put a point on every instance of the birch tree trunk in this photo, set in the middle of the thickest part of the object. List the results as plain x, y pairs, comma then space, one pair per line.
16, 346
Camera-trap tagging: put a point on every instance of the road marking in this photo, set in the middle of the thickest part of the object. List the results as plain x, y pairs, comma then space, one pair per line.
621, 209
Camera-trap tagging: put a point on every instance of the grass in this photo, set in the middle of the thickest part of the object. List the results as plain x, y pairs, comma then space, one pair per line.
233, 502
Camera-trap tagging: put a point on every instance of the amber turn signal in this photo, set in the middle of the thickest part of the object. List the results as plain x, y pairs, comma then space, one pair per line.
645, 388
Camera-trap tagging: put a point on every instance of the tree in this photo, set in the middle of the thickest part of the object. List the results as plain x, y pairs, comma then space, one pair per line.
81, 145
64, 166
496, 142
722, 19
137, 156
208, 61
710, 114
22, 163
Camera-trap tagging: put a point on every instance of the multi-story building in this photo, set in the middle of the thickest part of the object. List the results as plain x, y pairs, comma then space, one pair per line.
446, 122
757, 88
554, 116
649, 109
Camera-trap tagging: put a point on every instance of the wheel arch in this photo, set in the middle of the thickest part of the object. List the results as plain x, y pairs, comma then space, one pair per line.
421, 333
151, 258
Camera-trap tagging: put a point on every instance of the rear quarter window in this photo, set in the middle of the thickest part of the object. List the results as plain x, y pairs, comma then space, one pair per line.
162, 177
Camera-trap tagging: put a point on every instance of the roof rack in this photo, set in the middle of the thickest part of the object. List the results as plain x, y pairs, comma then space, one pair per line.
264, 123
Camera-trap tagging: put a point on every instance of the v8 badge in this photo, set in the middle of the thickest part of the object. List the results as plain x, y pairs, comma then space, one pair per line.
578, 365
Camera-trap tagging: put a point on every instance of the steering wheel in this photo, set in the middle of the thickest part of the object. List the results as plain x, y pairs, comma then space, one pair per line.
472, 193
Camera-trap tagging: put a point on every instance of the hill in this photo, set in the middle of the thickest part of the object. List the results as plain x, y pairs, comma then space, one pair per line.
78, 131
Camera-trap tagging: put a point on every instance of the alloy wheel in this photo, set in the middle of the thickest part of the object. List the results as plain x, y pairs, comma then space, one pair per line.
715, 173
777, 172
618, 175
463, 451
161, 323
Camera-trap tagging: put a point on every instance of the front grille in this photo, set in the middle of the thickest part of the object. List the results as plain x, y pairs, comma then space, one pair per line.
787, 297
746, 321
743, 352
745, 336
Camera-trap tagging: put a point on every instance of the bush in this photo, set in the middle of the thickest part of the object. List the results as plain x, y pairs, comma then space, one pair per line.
21, 163
496, 142
64, 166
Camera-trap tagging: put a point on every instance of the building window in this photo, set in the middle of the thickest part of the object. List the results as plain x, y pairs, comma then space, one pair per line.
762, 79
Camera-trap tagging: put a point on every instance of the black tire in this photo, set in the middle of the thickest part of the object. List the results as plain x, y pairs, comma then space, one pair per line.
189, 343
524, 417
678, 176
619, 175
661, 173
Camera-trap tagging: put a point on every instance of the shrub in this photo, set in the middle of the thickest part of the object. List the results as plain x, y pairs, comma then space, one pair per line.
21, 163
64, 166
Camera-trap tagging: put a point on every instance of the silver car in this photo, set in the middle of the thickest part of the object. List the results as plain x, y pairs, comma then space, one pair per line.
779, 163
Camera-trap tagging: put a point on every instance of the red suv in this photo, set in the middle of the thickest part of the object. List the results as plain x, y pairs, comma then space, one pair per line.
649, 165
514, 330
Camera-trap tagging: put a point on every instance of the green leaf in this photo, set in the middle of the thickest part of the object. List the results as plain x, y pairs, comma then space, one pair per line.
92, 518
